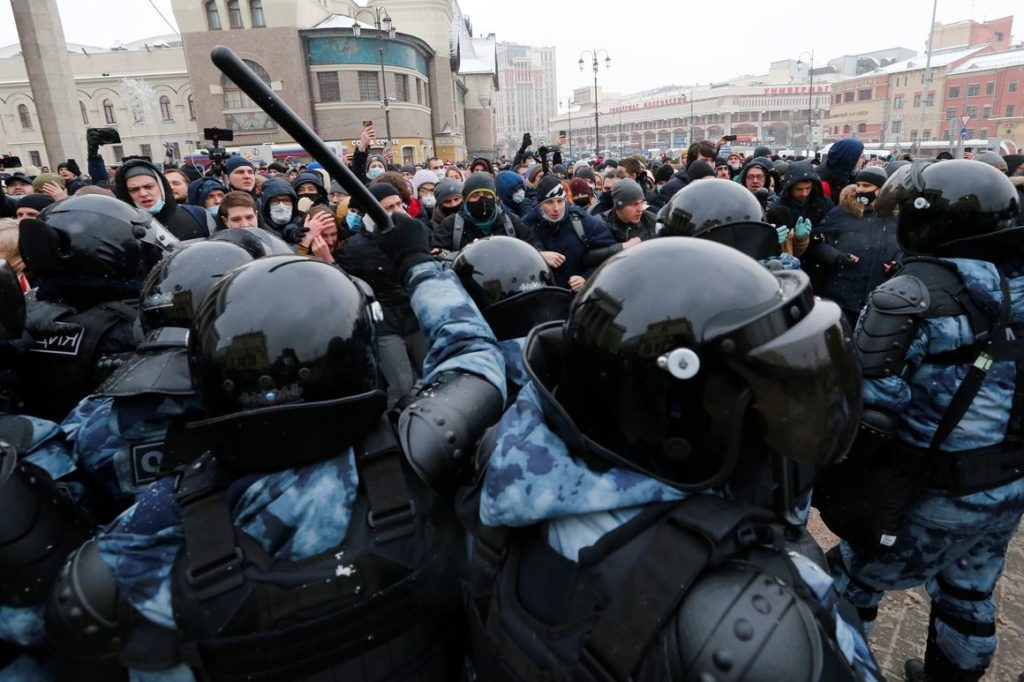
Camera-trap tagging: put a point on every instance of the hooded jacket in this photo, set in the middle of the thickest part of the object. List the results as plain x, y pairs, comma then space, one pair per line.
291, 231
199, 189
508, 183
314, 178
183, 222
623, 232
852, 228
814, 208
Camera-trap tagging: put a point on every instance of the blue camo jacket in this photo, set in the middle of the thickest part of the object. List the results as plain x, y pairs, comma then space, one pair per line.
294, 513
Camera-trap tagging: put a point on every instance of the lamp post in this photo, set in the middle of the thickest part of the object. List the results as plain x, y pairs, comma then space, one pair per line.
594, 54
569, 104
381, 22
810, 95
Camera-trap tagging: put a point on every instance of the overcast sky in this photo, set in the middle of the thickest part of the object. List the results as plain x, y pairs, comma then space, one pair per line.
651, 43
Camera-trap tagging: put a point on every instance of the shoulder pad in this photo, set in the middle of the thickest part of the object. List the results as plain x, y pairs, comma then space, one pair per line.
902, 295
439, 430
87, 617
163, 372
737, 618
890, 321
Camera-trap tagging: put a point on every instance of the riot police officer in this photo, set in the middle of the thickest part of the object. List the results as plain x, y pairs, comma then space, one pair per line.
118, 433
301, 545
724, 212
935, 492
514, 288
627, 522
88, 255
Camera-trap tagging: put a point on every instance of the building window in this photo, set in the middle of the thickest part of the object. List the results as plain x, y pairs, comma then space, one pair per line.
917, 101
191, 108
85, 114
862, 127
24, 117
256, 13
990, 88
234, 98
983, 133
108, 112
146, 150
401, 87
973, 89
235, 13
165, 108
1009, 111
954, 91
369, 86
419, 91
863, 94
897, 127
986, 112
950, 114
971, 111
897, 103
138, 113
329, 90
212, 16
1013, 86
927, 135
35, 158
848, 96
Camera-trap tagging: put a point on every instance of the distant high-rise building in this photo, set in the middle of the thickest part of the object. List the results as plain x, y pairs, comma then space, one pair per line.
527, 97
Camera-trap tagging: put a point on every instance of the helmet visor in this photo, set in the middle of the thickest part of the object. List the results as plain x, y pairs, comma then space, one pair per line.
757, 240
806, 385
905, 183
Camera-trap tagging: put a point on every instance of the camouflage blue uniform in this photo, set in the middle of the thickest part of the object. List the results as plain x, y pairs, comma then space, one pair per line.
955, 546
112, 438
294, 513
533, 478
515, 368
23, 627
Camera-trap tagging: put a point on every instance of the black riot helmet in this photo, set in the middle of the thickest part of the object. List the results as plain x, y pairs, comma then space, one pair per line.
511, 284
672, 385
284, 385
721, 211
956, 208
177, 285
93, 236
257, 241
12, 304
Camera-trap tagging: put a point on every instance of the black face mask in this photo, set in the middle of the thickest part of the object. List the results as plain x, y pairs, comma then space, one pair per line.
315, 198
866, 197
449, 210
606, 196
582, 201
481, 210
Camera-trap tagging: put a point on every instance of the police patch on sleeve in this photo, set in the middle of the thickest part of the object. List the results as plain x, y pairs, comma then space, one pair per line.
60, 344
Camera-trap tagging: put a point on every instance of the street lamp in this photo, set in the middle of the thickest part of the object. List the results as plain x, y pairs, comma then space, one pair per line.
381, 22
594, 54
810, 95
569, 104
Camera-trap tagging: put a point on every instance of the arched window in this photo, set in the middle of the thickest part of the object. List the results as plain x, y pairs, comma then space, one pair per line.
191, 108
25, 117
85, 114
256, 13
165, 108
234, 14
108, 112
212, 16
862, 127
846, 129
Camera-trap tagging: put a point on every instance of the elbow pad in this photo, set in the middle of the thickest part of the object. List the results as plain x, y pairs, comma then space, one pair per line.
893, 314
440, 429
87, 618
39, 527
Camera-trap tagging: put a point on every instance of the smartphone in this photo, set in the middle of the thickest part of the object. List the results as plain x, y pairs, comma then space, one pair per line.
729, 138
10, 162
367, 124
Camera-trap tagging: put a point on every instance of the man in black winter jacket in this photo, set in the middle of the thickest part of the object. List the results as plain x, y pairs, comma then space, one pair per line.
138, 183
628, 222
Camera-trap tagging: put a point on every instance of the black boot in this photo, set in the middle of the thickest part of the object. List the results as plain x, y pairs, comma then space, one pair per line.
936, 667
913, 670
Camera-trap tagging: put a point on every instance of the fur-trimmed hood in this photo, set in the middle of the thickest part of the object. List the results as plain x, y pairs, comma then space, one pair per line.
848, 200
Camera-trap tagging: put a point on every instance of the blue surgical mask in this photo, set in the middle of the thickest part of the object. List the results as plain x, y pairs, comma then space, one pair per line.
375, 172
354, 221
213, 210
156, 208
518, 196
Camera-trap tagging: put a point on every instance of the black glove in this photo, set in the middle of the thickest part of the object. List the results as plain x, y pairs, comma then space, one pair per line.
42, 318
408, 244
93, 140
527, 141
842, 258
542, 153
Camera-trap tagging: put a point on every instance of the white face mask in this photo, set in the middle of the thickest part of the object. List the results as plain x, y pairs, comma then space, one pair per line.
518, 196
428, 200
280, 213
